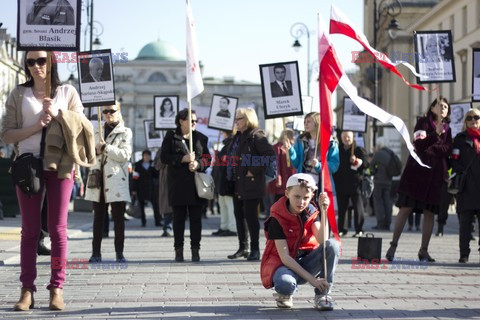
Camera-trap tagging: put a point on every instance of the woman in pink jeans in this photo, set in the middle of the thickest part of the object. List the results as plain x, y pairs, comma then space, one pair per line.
28, 111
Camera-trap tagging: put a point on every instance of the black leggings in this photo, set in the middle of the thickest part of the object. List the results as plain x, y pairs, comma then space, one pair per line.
195, 218
100, 209
246, 216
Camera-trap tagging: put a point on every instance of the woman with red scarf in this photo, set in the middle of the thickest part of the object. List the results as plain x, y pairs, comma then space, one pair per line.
420, 188
466, 156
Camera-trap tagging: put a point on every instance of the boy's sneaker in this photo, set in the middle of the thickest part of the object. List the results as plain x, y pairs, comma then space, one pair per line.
323, 304
283, 301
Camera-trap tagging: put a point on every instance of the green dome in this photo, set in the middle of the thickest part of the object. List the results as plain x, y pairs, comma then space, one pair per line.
159, 50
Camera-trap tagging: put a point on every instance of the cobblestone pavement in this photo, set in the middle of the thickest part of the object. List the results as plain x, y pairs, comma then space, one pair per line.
152, 286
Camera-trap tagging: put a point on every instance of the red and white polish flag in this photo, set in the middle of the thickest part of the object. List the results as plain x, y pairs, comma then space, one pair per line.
194, 76
340, 24
330, 71
331, 75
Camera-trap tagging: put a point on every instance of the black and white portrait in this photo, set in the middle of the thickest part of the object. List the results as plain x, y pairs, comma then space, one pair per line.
222, 112
153, 137
353, 118
96, 69
457, 116
435, 61
95, 74
476, 75
165, 111
50, 12
281, 89
52, 25
280, 86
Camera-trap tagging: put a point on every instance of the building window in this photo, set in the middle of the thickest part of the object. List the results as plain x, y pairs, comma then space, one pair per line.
465, 21
478, 13
158, 77
452, 25
463, 59
452, 92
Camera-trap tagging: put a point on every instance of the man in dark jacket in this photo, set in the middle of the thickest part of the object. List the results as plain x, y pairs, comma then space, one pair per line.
145, 186
382, 199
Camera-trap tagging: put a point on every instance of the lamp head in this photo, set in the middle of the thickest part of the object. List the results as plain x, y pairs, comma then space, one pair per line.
393, 29
296, 45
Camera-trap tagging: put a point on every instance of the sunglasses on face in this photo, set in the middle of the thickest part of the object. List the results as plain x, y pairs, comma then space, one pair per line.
239, 118
111, 111
470, 118
40, 62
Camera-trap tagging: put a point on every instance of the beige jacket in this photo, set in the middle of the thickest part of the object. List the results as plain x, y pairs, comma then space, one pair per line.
69, 140
113, 163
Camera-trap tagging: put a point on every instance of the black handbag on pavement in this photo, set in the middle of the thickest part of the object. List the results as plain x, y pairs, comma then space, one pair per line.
369, 248
27, 170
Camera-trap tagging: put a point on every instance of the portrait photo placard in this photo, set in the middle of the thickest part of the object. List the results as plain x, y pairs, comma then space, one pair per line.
95, 75
165, 111
153, 137
476, 75
359, 138
353, 119
222, 112
282, 96
457, 115
53, 26
435, 59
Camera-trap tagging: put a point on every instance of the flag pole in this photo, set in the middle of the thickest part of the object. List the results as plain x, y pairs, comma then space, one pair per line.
325, 231
48, 81
190, 138
287, 155
99, 119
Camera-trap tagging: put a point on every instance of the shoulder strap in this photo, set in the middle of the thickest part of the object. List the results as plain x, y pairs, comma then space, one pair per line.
42, 142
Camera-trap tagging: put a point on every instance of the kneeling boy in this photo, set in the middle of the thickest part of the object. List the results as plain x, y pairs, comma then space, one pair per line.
294, 251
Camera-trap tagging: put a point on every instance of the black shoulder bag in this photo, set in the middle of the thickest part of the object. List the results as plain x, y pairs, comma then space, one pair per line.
456, 182
27, 170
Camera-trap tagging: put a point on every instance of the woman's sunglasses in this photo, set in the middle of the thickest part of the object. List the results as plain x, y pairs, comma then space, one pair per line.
40, 62
470, 118
109, 111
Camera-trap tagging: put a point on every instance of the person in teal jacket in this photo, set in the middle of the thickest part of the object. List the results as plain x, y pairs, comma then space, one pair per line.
302, 153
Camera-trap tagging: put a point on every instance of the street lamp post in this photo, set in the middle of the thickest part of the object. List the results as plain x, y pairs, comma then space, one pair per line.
297, 30
94, 26
386, 8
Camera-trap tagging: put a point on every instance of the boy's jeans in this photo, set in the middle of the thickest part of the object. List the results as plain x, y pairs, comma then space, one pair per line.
285, 280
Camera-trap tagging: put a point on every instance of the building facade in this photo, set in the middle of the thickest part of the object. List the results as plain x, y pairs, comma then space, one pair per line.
11, 69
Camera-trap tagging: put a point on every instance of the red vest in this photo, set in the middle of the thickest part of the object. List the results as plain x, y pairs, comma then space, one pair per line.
299, 237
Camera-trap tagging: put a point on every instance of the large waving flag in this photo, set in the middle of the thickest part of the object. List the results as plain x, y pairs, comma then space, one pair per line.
340, 24
194, 76
330, 73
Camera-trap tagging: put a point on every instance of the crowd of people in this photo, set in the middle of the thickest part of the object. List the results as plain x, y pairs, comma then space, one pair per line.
298, 244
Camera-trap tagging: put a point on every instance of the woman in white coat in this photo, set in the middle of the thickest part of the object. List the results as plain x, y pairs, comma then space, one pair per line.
108, 182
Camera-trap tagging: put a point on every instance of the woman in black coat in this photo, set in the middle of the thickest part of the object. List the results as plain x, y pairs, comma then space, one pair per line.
182, 195
247, 176
348, 182
466, 156
420, 187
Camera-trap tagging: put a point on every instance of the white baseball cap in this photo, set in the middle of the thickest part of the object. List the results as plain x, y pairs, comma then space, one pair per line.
298, 178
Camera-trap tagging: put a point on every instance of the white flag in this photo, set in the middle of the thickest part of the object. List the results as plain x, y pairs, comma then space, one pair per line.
194, 76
